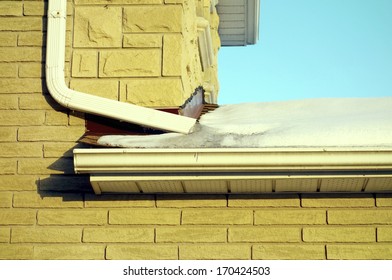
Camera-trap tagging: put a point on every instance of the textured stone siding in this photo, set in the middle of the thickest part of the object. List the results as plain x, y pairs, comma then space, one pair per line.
48, 212
143, 52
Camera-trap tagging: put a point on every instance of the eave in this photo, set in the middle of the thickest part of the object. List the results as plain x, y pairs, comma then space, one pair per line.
239, 22
235, 170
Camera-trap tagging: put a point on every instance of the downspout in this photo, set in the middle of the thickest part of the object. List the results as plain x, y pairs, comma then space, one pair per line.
74, 100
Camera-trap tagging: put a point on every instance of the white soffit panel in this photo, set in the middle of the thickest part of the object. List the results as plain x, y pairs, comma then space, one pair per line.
206, 186
239, 22
296, 184
160, 186
379, 184
251, 186
342, 185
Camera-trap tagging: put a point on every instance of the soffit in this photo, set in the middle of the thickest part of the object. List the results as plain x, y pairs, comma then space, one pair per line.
239, 22
253, 184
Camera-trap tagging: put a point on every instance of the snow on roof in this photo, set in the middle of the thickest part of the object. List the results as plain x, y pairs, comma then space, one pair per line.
326, 122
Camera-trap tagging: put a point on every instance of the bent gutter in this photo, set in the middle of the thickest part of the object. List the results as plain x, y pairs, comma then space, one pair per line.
74, 100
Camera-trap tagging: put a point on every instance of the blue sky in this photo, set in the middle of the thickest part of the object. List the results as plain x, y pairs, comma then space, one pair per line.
311, 49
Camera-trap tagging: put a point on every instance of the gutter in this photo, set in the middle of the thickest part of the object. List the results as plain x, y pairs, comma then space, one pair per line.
290, 161
74, 100
242, 170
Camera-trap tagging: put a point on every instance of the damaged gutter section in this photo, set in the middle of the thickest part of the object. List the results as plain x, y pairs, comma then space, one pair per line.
74, 100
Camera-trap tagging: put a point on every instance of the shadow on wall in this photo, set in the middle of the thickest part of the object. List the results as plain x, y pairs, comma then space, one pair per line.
72, 187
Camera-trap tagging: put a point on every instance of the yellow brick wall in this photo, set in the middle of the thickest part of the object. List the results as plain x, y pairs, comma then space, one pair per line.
48, 212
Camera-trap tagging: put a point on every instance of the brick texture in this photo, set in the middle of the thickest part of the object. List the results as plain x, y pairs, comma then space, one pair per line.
20, 24
360, 217
31, 39
335, 200
21, 150
288, 252
153, 19
45, 166
107, 89
211, 252
119, 201
13, 117
339, 234
17, 217
8, 70
217, 217
8, 39
194, 201
130, 63
116, 235
276, 217
46, 235
47, 200
359, 252
11, 8
143, 91
69, 252
384, 234
8, 102
142, 252
98, 27
145, 217
8, 134
72, 217
25, 54
85, 63
16, 252
384, 200
5, 234
255, 201
191, 234
18, 183
5, 199
7, 166
264, 234
172, 63
50, 133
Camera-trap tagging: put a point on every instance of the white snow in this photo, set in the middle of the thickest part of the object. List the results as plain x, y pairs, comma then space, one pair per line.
327, 122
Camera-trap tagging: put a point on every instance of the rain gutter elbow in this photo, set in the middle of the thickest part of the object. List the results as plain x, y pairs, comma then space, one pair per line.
74, 100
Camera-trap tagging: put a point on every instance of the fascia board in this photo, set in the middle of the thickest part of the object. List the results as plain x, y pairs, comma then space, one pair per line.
253, 18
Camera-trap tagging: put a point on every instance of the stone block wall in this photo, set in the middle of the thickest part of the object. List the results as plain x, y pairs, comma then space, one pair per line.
48, 212
143, 52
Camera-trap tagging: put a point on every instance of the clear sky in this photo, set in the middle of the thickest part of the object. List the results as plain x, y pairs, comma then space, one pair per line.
310, 49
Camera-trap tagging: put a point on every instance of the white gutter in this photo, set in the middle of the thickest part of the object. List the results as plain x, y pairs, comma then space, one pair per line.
74, 100
100, 161
235, 170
